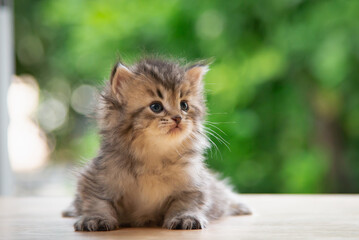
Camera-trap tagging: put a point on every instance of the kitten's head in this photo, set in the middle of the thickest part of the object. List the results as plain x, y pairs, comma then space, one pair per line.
156, 102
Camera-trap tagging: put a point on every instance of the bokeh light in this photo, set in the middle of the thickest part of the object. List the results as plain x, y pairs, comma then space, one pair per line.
52, 113
28, 150
84, 99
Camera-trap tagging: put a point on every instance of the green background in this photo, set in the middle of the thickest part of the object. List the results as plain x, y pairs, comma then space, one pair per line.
284, 85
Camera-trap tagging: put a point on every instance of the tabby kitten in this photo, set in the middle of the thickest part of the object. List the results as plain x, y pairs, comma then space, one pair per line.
150, 168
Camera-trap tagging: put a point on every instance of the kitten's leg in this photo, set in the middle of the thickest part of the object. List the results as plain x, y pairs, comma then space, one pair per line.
97, 215
186, 212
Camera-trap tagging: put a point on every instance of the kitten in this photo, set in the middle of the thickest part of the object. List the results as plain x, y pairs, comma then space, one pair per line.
150, 169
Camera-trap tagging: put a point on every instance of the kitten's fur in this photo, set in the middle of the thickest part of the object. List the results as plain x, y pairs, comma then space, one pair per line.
147, 171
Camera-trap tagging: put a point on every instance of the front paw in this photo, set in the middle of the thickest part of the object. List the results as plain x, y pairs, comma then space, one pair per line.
94, 224
185, 222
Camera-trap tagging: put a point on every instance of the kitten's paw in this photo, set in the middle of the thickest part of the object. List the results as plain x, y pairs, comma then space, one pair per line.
94, 224
239, 208
185, 222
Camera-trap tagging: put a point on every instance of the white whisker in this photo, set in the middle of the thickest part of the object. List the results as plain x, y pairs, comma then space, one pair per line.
212, 125
219, 139
217, 135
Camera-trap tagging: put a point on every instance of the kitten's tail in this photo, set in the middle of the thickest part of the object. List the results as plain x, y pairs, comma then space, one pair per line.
237, 207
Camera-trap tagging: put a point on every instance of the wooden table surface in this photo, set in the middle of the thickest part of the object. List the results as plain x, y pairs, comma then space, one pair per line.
276, 217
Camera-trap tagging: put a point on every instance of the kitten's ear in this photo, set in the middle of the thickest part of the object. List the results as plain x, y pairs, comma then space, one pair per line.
196, 72
119, 74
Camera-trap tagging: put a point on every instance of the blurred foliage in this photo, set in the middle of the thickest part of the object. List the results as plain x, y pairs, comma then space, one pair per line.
284, 86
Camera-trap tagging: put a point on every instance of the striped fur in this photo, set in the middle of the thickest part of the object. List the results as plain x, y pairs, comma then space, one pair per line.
146, 172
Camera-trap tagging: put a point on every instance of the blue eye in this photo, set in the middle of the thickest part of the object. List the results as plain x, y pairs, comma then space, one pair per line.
184, 106
156, 107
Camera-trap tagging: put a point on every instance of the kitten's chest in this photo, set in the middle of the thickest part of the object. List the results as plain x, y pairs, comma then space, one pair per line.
151, 190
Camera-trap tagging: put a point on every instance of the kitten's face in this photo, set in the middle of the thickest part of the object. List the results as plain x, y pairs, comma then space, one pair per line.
164, 107
160, 113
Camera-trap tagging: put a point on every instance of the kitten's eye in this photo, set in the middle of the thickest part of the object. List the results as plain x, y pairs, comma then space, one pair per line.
184, 106
156, 107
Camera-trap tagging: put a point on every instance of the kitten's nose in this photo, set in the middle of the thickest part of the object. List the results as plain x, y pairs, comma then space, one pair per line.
177, 119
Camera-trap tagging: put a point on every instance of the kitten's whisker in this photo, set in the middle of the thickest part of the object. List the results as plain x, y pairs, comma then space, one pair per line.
218, 135
218, 122
206, 121
218, 139
217, 151
212, 125
217, 113
212, 144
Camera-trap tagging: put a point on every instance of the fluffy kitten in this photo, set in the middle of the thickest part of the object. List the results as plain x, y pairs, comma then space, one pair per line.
150, 168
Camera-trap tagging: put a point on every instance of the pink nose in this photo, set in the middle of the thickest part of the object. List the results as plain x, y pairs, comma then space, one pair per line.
177, 119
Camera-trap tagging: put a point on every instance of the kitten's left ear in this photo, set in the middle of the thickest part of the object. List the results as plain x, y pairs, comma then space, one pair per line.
195, 73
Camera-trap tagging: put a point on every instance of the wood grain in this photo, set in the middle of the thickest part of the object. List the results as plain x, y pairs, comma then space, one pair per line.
276, 217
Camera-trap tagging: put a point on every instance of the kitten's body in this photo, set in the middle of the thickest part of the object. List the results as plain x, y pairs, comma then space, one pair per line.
150, 169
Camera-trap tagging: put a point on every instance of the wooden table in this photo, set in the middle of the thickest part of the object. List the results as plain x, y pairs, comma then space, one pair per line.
276, 217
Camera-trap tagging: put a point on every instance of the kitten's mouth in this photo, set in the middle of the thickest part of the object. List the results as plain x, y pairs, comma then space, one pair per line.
175, 129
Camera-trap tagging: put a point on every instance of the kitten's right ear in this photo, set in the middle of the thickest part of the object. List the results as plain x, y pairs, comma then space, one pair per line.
119, 74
